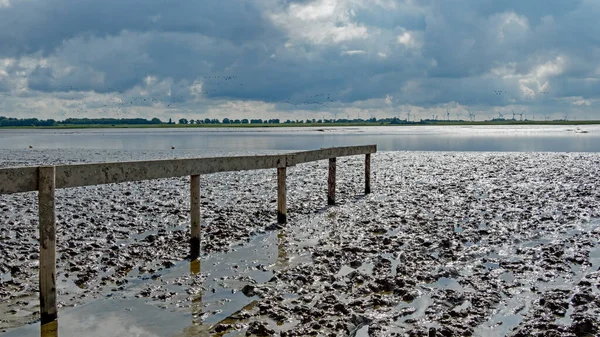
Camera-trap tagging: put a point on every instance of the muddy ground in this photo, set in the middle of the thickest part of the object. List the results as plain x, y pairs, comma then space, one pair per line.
448, 244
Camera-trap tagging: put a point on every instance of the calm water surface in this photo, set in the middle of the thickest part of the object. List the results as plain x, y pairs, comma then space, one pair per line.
552, 138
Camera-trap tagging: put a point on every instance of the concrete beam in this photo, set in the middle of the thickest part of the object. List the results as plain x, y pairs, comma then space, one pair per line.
333, 152
108, 173
25, 179
18, 179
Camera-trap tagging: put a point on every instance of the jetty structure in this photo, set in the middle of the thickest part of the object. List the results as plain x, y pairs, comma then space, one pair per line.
46, 179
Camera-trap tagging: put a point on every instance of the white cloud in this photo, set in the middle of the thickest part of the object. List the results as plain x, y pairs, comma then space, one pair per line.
509, 26
353, 52
411, 40
320, 22
581, 101
538, 81
388, 99
551, 68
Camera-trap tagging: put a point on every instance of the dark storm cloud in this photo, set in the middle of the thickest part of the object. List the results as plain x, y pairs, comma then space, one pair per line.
32, 26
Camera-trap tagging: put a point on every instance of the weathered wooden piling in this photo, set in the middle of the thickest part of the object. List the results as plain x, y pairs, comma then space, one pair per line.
281, 196
367, 173
47, 229
331, 182
195, 216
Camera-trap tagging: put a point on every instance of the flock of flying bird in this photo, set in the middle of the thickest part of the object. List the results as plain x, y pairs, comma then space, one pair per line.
215, 86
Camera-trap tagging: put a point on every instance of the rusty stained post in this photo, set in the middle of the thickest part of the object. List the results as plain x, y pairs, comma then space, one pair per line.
47, 229
367, 173
281, 196
331, 182
195, 216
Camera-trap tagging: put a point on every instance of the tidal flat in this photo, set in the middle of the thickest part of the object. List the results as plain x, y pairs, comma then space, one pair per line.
447, 244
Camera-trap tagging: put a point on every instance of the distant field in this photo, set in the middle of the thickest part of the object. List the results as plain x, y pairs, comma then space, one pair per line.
105, 126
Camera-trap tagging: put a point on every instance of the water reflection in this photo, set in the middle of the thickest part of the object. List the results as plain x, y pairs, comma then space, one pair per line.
197, 301
555, 138
121, 314
113, 317
282, 255
49, 329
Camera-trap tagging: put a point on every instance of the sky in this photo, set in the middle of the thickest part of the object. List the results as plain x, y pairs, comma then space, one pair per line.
299, 59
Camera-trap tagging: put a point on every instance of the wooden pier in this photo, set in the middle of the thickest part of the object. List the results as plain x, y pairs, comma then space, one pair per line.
46, 179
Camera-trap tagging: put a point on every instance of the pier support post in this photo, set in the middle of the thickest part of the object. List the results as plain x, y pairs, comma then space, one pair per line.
367, 173
331, 182
47, 230
195, 216
281, 196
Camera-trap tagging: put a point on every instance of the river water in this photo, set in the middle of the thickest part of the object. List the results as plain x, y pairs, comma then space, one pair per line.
519, 138
133, 316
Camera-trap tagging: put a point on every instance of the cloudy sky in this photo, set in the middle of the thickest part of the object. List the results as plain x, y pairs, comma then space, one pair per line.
293, 59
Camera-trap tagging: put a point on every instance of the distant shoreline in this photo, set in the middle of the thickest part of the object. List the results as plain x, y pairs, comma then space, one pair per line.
287, 125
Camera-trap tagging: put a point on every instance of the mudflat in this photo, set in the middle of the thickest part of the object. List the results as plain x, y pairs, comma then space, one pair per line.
447, 243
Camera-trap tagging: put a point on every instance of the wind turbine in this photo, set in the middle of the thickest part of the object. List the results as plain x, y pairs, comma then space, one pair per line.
447, 114
471, 115
500, 115
521, 114
513, 112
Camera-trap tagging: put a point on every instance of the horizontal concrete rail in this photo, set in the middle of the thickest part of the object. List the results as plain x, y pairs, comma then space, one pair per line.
46, 179
25, 179
334, 152
18, 179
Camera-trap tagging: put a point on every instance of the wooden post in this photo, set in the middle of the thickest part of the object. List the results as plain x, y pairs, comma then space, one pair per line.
47, 229
331, 182
367, 173
281, 196
195, 216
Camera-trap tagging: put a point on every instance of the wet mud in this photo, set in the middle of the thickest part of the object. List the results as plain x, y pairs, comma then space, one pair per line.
448, 244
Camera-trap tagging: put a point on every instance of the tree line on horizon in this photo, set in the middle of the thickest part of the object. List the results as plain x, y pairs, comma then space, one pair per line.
12, 122
27, 122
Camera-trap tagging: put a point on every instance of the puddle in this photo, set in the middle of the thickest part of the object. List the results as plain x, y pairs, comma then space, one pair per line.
446, 283
507, 316
420, 303
464, 306
112, 318
491, 265
362, 332
119, 314
595, 258
5, 277
567, 320
365, 268
393, 232
507, 277
395, 261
